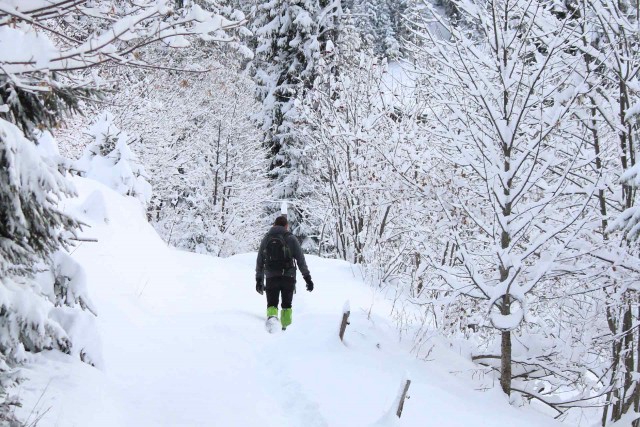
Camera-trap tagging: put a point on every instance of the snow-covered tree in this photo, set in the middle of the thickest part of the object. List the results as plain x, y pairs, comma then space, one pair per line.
609, 115
501, 102
212, 173
353, 124
39, 283
109, 159
205, 158
347, 162
287, 52
379, 22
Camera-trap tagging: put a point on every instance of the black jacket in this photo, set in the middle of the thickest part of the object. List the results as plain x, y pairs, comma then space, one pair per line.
296, 251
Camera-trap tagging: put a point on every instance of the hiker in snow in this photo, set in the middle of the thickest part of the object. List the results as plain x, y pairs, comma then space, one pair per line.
278, 250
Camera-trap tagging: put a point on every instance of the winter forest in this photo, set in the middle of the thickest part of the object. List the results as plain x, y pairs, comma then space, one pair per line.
472, 163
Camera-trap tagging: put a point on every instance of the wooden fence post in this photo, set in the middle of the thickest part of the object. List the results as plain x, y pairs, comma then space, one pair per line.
403, 397
346, 311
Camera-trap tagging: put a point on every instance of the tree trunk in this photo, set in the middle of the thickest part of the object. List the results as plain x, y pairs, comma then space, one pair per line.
215, 178
505, 352
636, 403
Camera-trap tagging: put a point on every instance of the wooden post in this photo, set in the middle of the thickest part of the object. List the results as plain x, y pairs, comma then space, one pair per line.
346, 311
343, 325
403, 397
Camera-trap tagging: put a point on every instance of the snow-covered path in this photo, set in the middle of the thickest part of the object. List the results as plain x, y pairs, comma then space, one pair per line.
183, 344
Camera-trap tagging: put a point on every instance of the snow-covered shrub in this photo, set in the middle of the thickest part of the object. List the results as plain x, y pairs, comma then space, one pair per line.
109, 160
7, 405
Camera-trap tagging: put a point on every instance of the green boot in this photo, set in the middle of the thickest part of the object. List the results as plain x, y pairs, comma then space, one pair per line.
286, 318
272, 312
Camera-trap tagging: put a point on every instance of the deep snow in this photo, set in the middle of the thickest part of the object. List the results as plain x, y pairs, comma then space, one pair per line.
183, 344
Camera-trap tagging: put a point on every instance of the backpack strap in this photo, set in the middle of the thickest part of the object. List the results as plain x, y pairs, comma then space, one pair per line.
286, 241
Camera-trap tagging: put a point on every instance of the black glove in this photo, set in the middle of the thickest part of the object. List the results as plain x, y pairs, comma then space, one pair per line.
259, 286
307, 279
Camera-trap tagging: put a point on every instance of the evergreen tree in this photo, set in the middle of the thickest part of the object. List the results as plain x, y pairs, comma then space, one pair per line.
387, 29
33, 235
365, 12
397, 11
378, 21
287, 52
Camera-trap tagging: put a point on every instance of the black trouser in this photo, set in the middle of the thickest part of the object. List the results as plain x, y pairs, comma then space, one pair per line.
275, 286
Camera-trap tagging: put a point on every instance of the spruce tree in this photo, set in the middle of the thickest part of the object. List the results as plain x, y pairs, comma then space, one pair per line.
378, 22
287, 52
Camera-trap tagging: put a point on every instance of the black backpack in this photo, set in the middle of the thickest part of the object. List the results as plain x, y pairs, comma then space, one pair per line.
277, 255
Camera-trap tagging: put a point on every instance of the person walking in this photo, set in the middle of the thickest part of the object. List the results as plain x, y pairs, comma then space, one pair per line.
278, 255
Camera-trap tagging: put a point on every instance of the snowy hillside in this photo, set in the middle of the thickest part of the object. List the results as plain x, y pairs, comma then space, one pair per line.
183, 344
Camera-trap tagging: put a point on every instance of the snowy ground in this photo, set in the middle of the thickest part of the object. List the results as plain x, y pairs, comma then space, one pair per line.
183, 344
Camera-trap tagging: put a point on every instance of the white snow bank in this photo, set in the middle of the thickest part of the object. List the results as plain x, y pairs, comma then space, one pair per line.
184, 345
